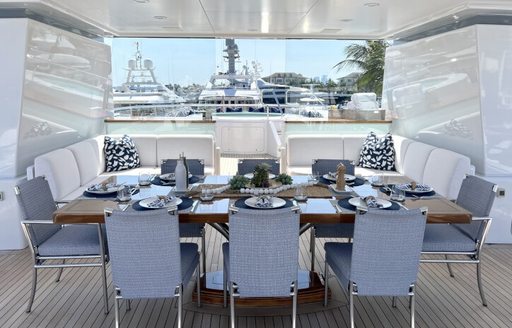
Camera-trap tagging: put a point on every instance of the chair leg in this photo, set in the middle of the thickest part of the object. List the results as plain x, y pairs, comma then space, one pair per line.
393, 302
116, 308
312, 247
326, 279
412, 306
103, 268
449, 266
59, 273
480, 286
33, 291
203, 249
180, 304
351, 303
232, 304
294, 305
198, 284
128, 305
225, 287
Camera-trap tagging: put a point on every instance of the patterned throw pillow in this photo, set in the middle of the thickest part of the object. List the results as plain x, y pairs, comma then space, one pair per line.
378, 153
120, 154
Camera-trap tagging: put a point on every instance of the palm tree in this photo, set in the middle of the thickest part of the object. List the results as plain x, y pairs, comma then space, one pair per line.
369, 58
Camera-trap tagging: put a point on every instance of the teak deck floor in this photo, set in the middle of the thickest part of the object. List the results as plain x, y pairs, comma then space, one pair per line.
76, 301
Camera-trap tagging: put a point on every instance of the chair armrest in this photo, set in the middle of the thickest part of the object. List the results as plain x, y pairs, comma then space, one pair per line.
37, 222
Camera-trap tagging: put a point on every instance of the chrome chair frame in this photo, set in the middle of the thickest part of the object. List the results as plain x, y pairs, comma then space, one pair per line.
178, 292
39, 261
472, 257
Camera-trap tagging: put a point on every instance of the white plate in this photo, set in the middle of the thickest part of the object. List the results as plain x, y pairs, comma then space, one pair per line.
358, 202
147, 202
171, 176
348, 177
251, 175
109, 190
276, 202
420, 188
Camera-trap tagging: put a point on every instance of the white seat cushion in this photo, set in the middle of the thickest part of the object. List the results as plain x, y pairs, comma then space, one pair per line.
415, 160
193, 146
303, 149
445, 170
60, 169
352, 147
146, 147
86, 159
401, 145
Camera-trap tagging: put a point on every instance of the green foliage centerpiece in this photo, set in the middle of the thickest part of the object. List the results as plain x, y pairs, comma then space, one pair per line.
260, 176
238, 182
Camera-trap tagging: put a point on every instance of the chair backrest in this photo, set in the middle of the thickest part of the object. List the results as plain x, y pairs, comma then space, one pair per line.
36, 201
263, 251
144, 249
247, 165
386, 251
195, 166
324, 166
477, 196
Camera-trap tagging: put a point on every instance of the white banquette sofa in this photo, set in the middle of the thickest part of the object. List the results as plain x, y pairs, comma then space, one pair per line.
440, 168
71, 169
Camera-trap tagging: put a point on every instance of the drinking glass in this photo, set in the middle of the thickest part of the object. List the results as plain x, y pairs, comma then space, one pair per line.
123, 194
144, 179
300, 194
377, 180
397, 194
206, 195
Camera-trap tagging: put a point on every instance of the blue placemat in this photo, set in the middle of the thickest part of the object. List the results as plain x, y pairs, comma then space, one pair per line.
159, 182
357, 182
186, 203
109, 195
240, 203
387, 191
345, 204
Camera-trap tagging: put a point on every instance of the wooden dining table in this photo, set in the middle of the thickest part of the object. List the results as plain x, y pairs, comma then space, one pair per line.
216, 213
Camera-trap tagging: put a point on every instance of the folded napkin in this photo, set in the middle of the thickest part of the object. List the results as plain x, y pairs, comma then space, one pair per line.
333, 174
264, 202
102, 187
419, 187
161, 201
371, 202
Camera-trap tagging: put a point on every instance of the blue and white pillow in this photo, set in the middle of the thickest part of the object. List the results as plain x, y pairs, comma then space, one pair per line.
378, 153
120, 154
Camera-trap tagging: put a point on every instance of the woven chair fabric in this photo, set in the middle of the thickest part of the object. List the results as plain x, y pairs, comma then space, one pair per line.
72, 240
191, 230
339, 258
195, 166
477, 196
263, 251
324, 166
146, 256
385, 252
36, 202
248, 165
447, 238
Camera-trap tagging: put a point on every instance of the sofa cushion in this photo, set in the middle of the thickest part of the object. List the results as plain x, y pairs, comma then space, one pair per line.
378, 153
60, 169
193, 146
445, 170
352, 147
401, 144
146, 146
120, 154
86, 159
415, 160
303, 149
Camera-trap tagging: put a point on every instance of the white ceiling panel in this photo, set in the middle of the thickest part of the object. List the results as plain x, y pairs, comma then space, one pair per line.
368, 19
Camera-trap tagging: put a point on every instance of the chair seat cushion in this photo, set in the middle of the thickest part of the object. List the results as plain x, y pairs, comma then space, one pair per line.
446, 238
191, 230
189, 260
72, 240
339, 258
337, 230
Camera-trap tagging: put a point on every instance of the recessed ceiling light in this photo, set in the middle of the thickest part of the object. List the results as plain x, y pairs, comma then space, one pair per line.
345, 20
372, 4
141, 1
160, 17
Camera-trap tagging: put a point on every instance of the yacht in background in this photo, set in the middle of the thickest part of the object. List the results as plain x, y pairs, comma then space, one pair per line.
143, 95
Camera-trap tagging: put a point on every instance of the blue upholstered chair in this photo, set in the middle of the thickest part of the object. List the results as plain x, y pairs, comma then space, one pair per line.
248, 165
383, 259
477, 196
147, 258
49, 241
190, 230
335, 230
261, 258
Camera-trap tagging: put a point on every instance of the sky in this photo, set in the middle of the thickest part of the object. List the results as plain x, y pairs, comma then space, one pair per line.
187, 61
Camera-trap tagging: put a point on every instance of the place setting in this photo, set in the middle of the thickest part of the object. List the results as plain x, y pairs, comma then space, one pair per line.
169, 179
331, 177
368, 202
412, 189
263, 202
111, 190
161, 202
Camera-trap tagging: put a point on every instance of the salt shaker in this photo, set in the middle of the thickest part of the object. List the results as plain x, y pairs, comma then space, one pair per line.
340, 178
